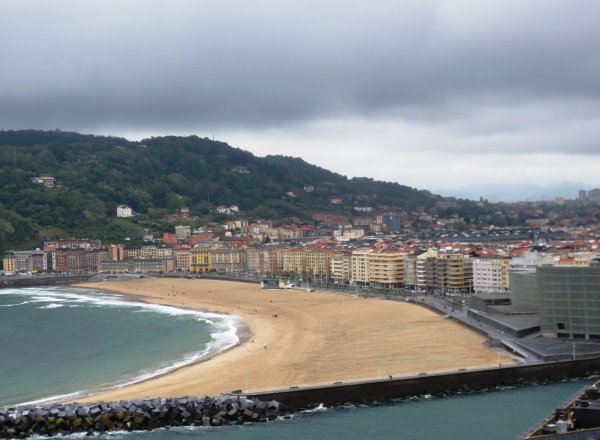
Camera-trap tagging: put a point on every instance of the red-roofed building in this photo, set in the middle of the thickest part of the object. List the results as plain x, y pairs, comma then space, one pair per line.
169, 238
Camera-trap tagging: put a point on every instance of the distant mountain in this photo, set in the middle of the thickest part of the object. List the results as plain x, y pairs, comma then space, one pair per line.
156, 177
513, 192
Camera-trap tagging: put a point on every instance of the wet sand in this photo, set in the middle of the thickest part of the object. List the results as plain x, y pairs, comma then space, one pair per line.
298, 338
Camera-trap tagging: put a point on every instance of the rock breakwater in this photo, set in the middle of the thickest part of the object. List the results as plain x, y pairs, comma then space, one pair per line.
139, 414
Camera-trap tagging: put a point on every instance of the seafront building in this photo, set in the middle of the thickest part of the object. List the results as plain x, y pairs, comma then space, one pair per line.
265, 259
360, 267
449, 273
310, 261
524, 293
524, 278
225, 259
200, 259
569, 301
149, 253
341, 267
416, 266
182, 257
379, 268
18, 261
439, 263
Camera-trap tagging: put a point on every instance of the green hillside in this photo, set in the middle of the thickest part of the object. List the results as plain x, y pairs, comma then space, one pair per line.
156, 177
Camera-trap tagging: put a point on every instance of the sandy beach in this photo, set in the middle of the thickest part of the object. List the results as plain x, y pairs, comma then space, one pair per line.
300, 338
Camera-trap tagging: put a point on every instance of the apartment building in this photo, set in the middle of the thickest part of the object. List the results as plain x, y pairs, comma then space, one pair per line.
491, 275
148, 253
182, 257
341, 267
447, 273
17, 261
228, 259
311, 261
416, 269
200, 259
360, 267
116, 252
386, 269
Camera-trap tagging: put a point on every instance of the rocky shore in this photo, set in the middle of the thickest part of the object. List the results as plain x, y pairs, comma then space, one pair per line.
139, 414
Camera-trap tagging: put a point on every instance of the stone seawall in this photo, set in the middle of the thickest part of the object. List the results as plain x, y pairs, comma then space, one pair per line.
461, 380
141, 414
34, 281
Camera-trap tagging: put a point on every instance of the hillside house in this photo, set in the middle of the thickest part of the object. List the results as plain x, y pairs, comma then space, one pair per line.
124, 211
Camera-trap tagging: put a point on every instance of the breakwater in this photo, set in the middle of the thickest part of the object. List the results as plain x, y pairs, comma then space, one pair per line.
452, 382
140, 414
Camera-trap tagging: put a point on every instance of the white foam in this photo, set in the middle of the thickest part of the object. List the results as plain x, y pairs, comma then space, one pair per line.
37, 299
14, 305
52, 306
92, 297
317, 409
48, 399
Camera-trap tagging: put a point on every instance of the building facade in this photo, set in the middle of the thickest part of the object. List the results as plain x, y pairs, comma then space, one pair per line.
491, 275
200, 259
569, 302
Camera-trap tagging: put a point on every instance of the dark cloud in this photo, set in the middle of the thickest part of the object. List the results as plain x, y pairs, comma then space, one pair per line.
492, 75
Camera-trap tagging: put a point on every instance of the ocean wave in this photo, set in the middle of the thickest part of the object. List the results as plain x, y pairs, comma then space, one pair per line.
52, 306
317, 409
50, 399
53, 299
224, 331
96, 298
14, 305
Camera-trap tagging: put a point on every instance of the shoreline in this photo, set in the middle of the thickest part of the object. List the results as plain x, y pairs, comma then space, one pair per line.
263, 325
242, 333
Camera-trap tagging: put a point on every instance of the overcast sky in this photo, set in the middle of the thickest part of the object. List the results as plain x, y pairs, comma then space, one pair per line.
431, 94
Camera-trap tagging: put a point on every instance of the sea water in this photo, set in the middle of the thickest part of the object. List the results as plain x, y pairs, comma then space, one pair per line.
492, 415
63, 341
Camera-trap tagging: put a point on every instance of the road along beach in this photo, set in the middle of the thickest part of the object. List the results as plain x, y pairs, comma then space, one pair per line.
298, 338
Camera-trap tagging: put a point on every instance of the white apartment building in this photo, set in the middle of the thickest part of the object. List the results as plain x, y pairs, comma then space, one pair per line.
490, 275
341, 266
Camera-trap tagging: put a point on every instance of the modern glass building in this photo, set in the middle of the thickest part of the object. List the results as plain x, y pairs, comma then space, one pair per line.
569, 299
524, 291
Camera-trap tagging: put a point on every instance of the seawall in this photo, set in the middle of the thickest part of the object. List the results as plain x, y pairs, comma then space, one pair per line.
33, 281
462, 380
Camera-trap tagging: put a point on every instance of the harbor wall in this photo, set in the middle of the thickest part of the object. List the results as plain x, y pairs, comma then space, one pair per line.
461, 380
34, 281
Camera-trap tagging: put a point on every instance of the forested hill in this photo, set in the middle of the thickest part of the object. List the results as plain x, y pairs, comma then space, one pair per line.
157, 176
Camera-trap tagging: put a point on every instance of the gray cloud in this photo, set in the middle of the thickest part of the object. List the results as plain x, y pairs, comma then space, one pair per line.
508, 77
187, 62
